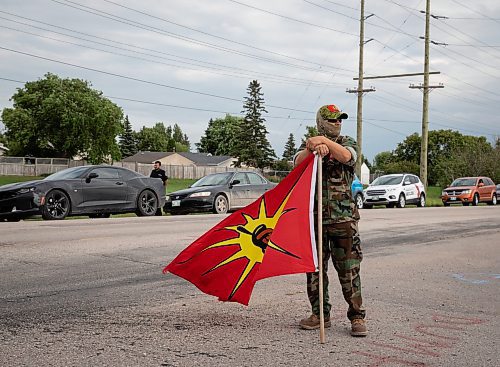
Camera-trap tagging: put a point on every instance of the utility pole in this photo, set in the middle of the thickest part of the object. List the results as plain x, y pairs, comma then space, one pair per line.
425, 101
360, 90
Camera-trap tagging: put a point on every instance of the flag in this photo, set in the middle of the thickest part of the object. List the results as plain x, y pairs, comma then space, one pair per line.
272, 236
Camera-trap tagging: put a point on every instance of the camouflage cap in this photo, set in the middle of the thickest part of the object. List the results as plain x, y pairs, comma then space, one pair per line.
331, 112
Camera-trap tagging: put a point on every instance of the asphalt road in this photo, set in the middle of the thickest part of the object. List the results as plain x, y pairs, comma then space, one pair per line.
91, 293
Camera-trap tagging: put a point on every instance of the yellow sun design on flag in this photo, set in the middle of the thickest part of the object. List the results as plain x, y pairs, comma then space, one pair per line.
253, 239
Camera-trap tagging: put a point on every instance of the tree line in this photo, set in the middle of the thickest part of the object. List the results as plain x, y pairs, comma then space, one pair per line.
55, 117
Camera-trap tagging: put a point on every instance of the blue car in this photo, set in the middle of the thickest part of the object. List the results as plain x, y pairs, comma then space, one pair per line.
357, 192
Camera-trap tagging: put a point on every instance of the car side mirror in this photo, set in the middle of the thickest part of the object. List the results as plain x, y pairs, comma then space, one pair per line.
91, 176
235, 182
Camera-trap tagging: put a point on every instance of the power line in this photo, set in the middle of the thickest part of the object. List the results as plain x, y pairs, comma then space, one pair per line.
171, 34
210, 34
240, 74
293, 19
140, 80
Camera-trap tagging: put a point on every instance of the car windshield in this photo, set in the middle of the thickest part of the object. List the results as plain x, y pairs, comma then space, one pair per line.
212, 180
67, 173
464, 182
388, 180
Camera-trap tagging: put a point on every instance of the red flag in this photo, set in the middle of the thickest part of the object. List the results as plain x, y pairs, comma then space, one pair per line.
272, 236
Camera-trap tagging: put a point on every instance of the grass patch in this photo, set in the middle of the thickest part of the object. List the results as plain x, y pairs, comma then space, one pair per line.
4, 180
174, 184
434, 196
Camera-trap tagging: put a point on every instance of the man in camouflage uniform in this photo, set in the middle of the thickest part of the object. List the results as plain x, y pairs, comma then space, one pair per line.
341, 239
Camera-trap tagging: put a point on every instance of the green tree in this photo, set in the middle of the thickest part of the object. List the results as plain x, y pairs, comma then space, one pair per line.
180, 140
310, 132
54, 117
128, 143
252, 147
161, 138
220, 136
290, 148
155, 139
381, 161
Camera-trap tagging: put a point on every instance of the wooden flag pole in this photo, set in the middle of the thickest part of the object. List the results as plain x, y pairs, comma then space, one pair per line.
320, 249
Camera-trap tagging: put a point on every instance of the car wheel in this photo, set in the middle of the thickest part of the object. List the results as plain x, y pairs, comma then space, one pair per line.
147, 203
391, 205
401, 201
359, 201
493, 200
57, 205
367, 206
421, 201
220, 205
13, 219
446, 204
475, 200
465, 204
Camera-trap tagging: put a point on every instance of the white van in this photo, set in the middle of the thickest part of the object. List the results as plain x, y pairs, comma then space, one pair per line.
395, 190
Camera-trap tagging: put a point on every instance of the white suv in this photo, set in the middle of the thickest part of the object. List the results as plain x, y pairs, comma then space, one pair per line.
395, 190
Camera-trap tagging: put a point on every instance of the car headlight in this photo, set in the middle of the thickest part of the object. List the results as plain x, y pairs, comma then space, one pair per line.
167, 198
390, 189
466, 192
25, 190
200, 194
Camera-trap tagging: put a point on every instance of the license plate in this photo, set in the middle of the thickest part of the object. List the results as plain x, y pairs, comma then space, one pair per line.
176, 203
453, 198
374, 197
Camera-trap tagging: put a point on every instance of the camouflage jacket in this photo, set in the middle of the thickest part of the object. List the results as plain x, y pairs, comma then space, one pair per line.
338, 204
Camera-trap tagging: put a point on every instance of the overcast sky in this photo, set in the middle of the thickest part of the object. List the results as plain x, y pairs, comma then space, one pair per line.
188, 61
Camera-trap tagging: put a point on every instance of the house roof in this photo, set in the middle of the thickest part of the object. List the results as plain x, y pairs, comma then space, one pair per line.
199, 159
205, 159
147, 157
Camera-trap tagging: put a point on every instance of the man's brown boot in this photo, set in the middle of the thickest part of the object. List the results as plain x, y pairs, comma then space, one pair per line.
358, 327
312, 322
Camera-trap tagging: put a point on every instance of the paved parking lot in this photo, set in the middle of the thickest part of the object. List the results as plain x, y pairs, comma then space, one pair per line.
91, 293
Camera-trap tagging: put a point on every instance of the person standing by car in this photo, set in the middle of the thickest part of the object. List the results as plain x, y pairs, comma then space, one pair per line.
341, 240
157, 172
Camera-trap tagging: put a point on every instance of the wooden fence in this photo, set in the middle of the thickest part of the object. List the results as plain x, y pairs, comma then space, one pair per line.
31, 166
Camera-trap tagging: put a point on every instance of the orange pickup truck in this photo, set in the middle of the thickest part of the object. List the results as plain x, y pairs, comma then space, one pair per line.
470, 190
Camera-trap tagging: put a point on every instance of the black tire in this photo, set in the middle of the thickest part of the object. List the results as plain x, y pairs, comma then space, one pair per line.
220, 205
465, 204
421, 201
57, 205
391, 205
475, 200
493, 200
368, 206
401, 201
359, 201
446, 204
147, 203
13, 219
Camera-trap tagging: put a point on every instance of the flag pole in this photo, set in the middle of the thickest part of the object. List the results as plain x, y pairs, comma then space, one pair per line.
320, 249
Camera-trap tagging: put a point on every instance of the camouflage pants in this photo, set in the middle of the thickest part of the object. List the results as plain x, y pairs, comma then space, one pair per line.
342, 243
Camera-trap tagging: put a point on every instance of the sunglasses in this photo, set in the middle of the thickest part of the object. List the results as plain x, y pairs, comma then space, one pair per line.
335, 120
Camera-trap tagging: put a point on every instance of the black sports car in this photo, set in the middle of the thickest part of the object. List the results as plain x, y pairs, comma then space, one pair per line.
96, 191
219, 193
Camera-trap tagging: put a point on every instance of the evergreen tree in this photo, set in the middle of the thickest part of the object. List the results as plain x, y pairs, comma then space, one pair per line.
290, 148
128, 142
252, 147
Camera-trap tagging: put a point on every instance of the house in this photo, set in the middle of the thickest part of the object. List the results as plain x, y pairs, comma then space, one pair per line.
182, 159
3, 149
